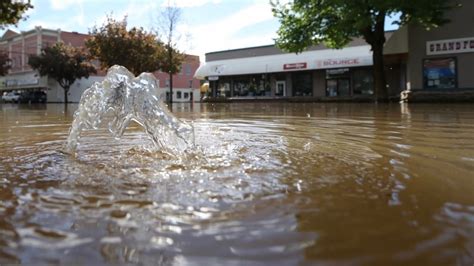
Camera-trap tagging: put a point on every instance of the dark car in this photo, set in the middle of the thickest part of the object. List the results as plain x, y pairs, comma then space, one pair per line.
32, 97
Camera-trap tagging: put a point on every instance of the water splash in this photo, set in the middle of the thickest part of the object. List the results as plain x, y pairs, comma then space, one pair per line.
121, 97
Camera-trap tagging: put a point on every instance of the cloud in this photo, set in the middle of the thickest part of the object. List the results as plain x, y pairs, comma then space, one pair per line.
222, 34
189, 3
63, 4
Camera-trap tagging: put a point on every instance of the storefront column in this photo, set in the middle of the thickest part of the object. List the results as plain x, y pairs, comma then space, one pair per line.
289, 85
319, 83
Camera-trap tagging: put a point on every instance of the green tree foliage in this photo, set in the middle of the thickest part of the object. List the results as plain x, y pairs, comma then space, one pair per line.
135, 49
63, 63
4, 66
335, 22
11, 11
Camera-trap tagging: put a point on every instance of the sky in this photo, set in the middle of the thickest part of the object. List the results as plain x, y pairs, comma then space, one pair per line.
205, 25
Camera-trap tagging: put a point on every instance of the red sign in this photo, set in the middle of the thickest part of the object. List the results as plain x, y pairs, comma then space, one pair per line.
295, 66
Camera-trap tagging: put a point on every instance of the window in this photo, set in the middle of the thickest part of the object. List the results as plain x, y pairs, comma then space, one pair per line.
186, 95
439, 73
338, 82
190, 83
302, 84
187, 70
363, 82
178, 94
167, 82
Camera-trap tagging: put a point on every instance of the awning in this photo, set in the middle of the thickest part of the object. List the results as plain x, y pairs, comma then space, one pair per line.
319, 59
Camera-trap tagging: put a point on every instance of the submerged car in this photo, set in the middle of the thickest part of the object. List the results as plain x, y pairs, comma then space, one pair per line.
11, 96
32, 97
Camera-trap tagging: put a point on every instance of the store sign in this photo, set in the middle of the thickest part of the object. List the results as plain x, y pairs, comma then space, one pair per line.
341, 62
452, 46
295, 66
213, 78
22, 82
337, 71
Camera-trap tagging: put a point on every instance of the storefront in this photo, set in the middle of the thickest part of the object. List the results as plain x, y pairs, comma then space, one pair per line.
416, 60
270, 73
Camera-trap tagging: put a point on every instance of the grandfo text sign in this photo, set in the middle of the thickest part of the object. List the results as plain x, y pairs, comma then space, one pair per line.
464, 45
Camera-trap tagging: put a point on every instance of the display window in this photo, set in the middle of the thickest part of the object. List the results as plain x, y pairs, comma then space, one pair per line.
440, 73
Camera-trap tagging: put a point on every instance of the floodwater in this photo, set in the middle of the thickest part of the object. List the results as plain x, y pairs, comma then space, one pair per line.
268, 184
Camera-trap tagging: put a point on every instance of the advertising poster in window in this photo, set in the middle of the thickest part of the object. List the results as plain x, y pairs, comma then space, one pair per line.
439, 73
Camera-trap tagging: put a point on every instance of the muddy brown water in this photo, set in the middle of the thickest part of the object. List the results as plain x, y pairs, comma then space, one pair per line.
268, 184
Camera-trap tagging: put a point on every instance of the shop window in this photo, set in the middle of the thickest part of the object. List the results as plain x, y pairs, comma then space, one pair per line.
178, 94
338, 87
363, 82
224, 89
302, 84
338, 82
439, 73
241, 88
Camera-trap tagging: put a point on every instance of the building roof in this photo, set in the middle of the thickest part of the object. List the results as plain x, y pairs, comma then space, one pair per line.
8, 34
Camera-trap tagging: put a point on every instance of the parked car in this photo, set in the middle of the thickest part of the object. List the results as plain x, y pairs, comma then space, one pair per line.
32, 97
11, 96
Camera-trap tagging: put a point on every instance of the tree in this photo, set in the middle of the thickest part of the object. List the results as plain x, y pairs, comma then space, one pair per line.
63, 63
336, 22
4, 63
11, 11
172, 58
135, 49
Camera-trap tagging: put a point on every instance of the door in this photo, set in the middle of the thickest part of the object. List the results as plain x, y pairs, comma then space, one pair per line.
338, 87
280, 88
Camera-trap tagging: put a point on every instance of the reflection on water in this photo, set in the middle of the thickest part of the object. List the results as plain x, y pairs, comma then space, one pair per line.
269, 184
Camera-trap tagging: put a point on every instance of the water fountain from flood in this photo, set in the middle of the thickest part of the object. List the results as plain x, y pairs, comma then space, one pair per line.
121, 98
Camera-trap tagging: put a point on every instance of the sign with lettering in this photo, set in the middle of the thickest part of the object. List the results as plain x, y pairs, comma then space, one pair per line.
452, 46
343, 62
295, 66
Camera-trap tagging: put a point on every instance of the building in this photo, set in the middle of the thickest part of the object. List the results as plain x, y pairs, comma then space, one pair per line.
20, 46
416, 61
185, 86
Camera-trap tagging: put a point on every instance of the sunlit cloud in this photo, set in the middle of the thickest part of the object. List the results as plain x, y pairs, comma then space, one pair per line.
220, 35
63, 4
189, 3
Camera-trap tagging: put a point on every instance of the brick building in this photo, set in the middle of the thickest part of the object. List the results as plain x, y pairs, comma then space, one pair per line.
19, 46
185, 86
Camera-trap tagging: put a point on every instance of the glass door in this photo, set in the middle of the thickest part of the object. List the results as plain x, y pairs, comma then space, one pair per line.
280, 89
338, 87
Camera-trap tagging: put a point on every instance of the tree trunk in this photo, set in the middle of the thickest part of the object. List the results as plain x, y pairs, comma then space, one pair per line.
66, 90
380, 84
171, 88
377, 42
170, 58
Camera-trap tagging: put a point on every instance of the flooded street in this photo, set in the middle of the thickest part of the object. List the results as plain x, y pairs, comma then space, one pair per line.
268, 184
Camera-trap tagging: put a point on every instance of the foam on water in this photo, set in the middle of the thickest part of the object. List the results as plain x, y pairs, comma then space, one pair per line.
120, 98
